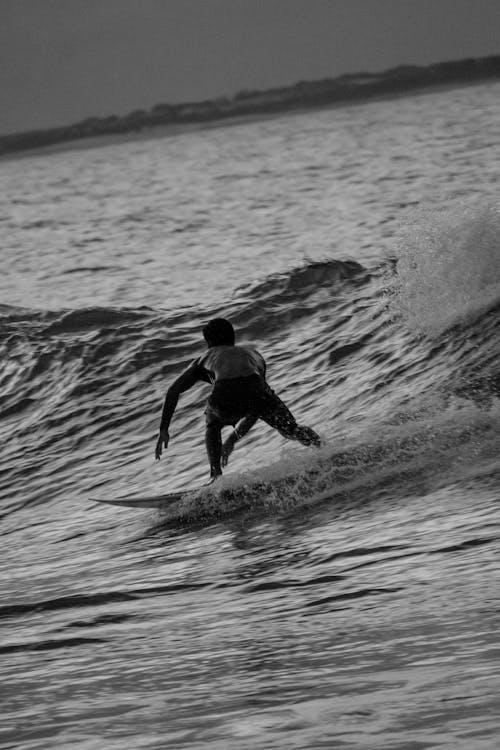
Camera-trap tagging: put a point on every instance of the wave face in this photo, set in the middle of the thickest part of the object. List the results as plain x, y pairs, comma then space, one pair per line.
312, 595
336, 337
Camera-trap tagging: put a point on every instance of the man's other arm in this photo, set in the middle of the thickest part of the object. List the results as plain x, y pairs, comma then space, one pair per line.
184, 382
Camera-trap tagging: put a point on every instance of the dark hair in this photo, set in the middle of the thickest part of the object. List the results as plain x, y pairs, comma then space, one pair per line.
218, 331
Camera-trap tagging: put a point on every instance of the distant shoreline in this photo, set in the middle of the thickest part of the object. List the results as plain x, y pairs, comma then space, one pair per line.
168, 120
165, 131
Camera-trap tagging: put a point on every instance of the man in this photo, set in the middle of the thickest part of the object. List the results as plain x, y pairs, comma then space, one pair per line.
240, 396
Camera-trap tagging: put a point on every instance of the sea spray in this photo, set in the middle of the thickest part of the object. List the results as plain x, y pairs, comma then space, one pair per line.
448, 266
431, 450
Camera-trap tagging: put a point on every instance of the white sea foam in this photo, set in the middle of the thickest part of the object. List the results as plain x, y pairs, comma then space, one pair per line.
448, 268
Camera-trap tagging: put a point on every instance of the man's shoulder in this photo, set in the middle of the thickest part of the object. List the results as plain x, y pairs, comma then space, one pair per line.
249, 348
208, 355
256, 358
218, 353
199, 369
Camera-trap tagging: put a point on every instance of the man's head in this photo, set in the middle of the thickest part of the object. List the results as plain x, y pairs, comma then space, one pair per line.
219, 332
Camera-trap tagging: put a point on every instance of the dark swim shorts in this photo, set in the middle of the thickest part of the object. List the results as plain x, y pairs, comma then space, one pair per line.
235, 398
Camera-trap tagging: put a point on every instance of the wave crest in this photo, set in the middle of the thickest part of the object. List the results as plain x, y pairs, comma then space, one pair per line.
448, 266
304, 279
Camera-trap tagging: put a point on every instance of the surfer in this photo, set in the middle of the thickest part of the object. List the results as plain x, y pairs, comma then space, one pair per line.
240, 396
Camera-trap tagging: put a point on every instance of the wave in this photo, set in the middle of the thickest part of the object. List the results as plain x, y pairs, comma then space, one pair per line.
42, 344
49, 645
91, 318
93, 600
447, 266
74, 379
299, 282
350, 315
303, 279
349, 307
406, 461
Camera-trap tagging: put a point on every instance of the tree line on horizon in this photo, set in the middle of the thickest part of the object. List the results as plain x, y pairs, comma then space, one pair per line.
304, 94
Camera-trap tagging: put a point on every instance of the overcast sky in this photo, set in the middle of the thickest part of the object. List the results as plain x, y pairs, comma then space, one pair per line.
65, 60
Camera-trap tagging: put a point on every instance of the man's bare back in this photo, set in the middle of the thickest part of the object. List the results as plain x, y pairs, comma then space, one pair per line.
240, 396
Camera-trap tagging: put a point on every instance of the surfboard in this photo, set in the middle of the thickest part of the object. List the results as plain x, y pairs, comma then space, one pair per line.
153, 501
207, 500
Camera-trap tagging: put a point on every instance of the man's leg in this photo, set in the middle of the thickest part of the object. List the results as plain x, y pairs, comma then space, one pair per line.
306, 436
282, 419
241, 429
213, 444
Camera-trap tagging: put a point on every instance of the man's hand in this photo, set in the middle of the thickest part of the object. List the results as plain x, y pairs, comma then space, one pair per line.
227, 448
162, 441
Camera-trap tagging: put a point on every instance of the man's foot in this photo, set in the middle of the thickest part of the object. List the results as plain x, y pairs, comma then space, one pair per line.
307, 436
213, 479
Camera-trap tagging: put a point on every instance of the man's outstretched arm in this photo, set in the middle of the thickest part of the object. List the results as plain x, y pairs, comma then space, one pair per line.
185, 381
241, 429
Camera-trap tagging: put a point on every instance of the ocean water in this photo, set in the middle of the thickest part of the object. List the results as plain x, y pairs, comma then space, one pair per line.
353, 600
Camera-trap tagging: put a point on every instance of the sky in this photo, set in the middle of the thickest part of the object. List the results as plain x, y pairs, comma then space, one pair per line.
62, 61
